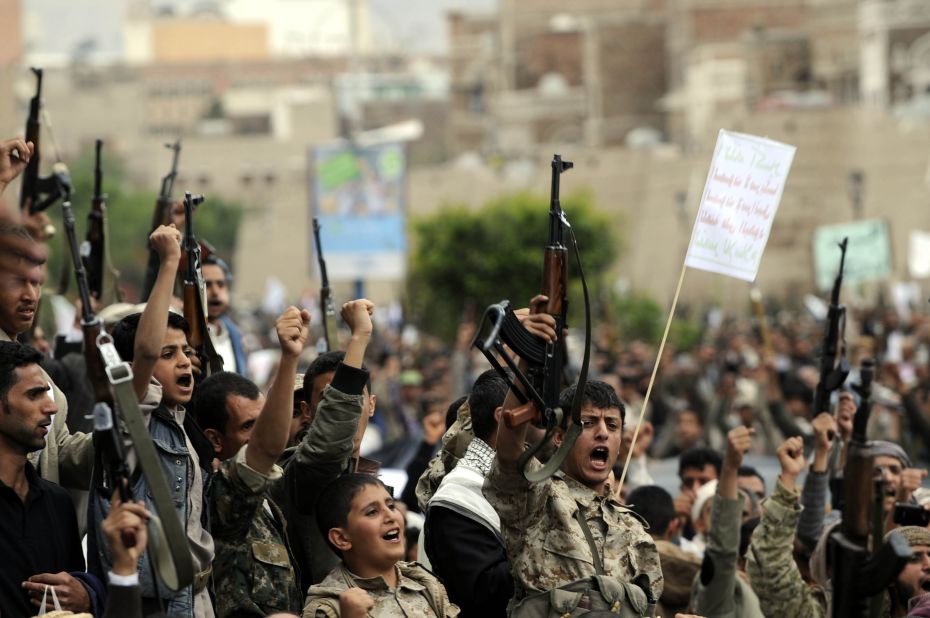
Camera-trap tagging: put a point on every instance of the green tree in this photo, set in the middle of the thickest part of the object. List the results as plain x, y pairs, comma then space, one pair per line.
465, 260
129, 210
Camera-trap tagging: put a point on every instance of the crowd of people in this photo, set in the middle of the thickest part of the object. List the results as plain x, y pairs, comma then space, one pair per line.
280, 493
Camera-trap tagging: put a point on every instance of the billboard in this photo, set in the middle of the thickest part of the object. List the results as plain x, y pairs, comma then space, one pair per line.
868, 257
358, 193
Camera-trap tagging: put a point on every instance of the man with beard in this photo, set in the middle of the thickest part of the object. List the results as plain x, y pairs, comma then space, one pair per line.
914, 579
217, 278
39, 538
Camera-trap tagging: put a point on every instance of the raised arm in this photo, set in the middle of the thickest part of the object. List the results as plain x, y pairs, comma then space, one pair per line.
166, 240
770, 564
718, 575
357, 315
272, 428
814, 494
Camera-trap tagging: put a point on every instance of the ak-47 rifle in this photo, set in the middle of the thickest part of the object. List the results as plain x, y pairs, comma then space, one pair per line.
833, 364
168, 550
94, 250
39, 192
329, 340
539, 388
194, 289
161, 216
863, 569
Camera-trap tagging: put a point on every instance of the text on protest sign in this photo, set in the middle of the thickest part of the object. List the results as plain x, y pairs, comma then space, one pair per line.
743, 189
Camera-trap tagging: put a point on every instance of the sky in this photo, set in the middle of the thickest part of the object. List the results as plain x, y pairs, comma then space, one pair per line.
57, 28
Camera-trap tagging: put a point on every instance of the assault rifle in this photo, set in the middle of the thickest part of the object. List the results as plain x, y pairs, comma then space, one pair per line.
545, 362
94, 251
861, 573
833, 364
161, 216
39, 192
194, 290
329, 340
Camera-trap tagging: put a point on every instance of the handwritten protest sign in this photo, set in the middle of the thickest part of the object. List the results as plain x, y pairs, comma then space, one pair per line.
744, 186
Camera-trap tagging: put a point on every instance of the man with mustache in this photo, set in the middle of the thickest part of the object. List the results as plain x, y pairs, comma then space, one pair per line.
226, 338
39, 538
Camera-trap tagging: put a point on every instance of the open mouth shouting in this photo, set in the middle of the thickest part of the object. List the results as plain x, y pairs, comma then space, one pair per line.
599, 457
392, 536
185, 383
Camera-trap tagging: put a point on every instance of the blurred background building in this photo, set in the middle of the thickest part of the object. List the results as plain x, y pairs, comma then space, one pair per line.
634, 91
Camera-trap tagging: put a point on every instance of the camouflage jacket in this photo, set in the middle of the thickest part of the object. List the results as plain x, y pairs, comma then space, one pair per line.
252, 572
770, 562
544, 540
418, 594
454, 444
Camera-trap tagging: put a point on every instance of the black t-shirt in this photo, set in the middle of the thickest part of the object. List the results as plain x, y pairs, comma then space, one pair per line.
39, 535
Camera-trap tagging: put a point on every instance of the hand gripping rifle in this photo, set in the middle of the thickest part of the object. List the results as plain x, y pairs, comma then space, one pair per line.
329, 340
194, 289
539, 387
833, 364
109, 375
161, 216
102, 277
863, 569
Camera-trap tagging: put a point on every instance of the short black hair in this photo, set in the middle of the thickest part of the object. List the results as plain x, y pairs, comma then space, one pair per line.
124, 333
486, 396
744, 471
598, 394
655, 505
335, 502
12, 356
214, 260
209, 402
452, 412
698, 457
327, 362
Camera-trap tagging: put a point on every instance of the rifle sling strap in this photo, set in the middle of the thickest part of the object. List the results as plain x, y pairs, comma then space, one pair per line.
172, 556
586, 530
574, 427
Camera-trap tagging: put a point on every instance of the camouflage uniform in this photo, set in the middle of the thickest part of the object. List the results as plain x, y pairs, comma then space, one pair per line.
770, 561
418, 594
252, 570
454, 444
545, 542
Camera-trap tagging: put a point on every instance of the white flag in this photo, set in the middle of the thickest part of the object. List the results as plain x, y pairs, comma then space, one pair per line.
743, 189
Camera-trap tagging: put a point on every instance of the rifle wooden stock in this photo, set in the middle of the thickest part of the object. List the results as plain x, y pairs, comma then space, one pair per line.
858, 491
193, 313
527, 413
555, 269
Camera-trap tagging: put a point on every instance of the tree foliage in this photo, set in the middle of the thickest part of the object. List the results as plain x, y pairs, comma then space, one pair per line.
129, 211
464, 260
